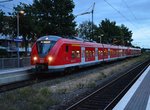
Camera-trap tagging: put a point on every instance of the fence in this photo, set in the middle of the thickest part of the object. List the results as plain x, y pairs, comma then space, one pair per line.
13, 62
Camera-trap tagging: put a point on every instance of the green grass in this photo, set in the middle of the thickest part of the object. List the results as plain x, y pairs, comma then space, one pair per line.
45, 92
27, 98
100, 76
104, 75
41, 97
62, 91
80, 86
91, 85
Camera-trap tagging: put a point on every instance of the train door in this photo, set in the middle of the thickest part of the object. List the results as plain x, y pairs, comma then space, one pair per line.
108, 53
82, 54
96, 54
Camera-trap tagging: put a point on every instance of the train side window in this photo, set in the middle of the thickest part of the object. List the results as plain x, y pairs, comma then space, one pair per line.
90, 53
73, 55
78, 54
105, 52
93, 53
87, 53
99, 53
111, 51
67, 48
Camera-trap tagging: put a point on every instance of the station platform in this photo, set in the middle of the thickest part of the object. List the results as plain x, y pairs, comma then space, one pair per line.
13, 70
138, 96
8, 76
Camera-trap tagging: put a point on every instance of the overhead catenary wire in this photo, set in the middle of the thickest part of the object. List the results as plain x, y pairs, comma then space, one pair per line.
129, 9
3, 1
119, 12
87, 11
8, 8
89, 8
4, 6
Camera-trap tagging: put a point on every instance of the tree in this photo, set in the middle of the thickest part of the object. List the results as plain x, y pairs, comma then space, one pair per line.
110, 31
54, 17
126, 35
113, 34
2, 15
85, 30
26, 24
43, 17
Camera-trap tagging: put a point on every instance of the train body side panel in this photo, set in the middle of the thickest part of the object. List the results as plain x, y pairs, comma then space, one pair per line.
67, 53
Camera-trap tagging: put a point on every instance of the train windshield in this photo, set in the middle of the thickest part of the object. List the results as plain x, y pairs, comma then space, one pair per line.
44, 47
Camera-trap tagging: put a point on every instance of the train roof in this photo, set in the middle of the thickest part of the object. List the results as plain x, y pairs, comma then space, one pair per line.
123, 47
49, 37
134, 48
82, 42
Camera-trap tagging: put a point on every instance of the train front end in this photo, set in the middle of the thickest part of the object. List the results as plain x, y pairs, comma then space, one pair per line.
43, 52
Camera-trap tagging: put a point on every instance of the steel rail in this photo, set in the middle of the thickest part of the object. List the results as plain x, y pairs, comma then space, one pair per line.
103, 87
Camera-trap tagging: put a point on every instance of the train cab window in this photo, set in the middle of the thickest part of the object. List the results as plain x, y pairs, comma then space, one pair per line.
67, 48
44, 47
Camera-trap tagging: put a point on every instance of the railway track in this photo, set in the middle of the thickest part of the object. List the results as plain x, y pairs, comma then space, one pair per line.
31, 79
22, 79
106, 97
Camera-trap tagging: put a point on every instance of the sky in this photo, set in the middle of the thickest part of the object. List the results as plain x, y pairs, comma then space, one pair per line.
133, 14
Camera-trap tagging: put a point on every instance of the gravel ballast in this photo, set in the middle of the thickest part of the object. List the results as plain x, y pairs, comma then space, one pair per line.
56, 93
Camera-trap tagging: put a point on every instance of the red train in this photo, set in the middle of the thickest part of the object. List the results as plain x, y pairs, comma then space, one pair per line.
56, 53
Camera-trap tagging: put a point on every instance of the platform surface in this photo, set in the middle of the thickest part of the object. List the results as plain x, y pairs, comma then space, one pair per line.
13, 70
138, 96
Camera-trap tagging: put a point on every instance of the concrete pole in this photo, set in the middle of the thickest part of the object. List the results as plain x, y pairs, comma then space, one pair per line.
18, 55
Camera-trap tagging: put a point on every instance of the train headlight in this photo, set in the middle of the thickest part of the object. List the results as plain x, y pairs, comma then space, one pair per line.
50, 58
35, 58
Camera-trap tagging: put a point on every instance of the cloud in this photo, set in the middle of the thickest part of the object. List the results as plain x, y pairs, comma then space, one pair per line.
136, 16
141, 37
8, 6
140, 9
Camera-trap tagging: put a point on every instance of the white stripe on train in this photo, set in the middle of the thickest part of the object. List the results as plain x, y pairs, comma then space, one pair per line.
83, 63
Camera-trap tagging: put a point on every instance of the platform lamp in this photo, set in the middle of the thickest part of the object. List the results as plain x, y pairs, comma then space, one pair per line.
100, 38
19, 12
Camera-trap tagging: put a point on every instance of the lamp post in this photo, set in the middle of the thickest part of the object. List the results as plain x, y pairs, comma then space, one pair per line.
19, 12
92, 17
100, 38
